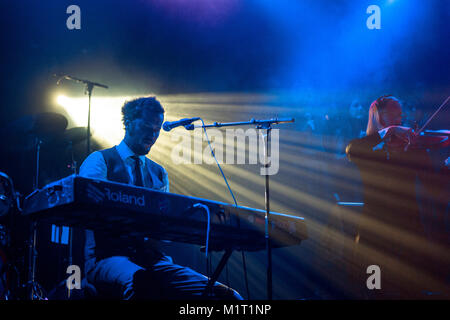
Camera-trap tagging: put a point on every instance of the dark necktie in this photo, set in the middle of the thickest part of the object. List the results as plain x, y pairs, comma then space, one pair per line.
137, 171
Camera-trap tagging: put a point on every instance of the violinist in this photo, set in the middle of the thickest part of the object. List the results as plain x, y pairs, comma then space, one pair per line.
391, 234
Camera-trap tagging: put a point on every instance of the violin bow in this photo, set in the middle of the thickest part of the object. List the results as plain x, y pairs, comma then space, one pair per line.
433, 115
428, 121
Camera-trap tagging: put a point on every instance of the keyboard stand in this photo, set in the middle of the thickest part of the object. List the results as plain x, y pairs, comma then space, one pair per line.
216, 274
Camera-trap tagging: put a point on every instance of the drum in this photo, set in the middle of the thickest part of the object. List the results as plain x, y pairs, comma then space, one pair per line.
7, 195
7, 199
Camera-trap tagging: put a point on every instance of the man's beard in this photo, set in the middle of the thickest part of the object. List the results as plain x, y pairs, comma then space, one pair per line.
141, 149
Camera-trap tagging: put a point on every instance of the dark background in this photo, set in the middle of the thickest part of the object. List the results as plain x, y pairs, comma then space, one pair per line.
312, 56
223, 46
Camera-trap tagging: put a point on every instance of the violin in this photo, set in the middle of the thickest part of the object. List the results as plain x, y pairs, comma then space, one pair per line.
429, 140
424, 139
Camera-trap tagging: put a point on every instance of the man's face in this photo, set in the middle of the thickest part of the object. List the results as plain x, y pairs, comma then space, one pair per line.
356, 111
142, 132
391, 114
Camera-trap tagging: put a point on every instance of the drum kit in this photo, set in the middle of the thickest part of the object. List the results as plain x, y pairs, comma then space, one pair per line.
53, 150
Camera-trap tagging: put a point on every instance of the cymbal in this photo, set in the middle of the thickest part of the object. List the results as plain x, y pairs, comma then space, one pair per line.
21, 134
40, 124
76, 135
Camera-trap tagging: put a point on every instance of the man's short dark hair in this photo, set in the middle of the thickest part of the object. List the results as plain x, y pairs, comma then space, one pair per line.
133, 109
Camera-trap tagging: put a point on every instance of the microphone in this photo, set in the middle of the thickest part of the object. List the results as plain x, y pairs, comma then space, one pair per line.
86, 82
167, 126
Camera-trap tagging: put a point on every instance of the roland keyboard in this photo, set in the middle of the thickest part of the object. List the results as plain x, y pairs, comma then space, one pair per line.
128, 210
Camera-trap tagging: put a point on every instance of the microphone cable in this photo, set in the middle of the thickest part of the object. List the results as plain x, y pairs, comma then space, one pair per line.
235, 203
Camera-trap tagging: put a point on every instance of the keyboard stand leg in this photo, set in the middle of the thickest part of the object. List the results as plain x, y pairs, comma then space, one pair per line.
217, 272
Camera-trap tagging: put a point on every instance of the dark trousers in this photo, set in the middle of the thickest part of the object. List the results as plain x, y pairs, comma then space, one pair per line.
121, 277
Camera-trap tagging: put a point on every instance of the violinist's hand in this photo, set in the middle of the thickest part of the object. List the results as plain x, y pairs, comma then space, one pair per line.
404, 133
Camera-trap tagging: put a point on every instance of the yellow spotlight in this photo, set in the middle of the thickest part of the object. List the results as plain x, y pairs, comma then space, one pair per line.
106, 121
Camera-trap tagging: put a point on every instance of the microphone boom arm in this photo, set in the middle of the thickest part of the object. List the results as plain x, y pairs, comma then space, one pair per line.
261, 124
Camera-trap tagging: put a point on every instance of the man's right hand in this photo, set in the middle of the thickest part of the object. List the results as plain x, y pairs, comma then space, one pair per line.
404, 133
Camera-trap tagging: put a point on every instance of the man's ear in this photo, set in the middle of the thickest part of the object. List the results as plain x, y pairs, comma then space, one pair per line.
126, 124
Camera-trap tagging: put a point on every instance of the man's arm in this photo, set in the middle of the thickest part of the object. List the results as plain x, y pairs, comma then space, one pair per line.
94, 166
362, 147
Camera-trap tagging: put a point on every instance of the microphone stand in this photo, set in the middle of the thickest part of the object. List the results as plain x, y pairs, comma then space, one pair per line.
88, 90
31, 243
267, 126
89, 87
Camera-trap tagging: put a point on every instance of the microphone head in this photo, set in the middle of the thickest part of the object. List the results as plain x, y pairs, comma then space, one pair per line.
166, 126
